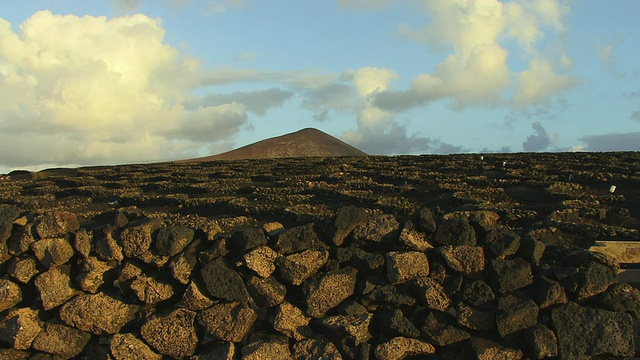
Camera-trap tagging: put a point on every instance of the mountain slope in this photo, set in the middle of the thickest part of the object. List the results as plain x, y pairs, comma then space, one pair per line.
303, 143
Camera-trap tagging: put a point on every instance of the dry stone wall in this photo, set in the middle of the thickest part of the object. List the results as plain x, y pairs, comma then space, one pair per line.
161, 271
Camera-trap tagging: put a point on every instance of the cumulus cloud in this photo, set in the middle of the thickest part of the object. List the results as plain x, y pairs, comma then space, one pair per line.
83, 90
540, 140
476, 71
612, 142
257, 102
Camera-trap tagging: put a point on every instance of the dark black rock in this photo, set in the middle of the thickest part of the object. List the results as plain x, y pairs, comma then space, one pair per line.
455, 232
223, 282
426, 222
592, 280
502, 242
347, 218
531, 250
477, 293
8, 213
246, 239
585, 332
298, 239
546, 292
540, 342
439, 330
392, 323
171, 240
509, 275
515, 312
622, 298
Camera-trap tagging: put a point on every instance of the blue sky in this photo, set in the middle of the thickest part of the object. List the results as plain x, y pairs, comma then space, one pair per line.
90, 82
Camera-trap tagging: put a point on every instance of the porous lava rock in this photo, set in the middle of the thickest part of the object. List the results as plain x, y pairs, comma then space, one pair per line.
450, 257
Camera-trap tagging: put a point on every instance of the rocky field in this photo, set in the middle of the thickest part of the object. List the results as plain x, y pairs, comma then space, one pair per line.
443, 257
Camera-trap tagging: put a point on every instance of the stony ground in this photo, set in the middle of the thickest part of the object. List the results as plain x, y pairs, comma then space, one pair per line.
461, 256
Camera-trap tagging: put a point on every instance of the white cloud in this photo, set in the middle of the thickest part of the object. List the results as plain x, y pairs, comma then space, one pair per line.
217, 7
89, 89
540, 82
476, 72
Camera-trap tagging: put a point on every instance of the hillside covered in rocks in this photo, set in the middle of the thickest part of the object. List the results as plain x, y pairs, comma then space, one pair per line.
442, 257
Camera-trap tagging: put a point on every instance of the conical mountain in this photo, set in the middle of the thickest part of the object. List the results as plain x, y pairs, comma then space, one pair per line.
303, 143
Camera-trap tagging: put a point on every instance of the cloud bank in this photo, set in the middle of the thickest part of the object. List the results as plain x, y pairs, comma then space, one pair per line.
476, 71
86, 90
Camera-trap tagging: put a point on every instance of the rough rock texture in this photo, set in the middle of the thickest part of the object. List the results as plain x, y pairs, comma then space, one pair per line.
127, 346
227, 322
450, 257
172, 333
585, 332
61, 340
98, 314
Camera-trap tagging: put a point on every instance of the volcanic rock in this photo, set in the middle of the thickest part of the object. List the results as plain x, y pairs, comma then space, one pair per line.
266, 292
98, 314
128, 346
403, 266
541, 342
56, 223
298, 239
183, 264
61, 340
515, 312
171, 333
276, 348
329, 290
348, 331
502, 242
414, 239
227, 322
8, 213
93, 274
392, 323
464, 259
479, 294
261, 260
150, 290
439, 331
586, 332
455, 232
10, 294
52, 252
380, 228
137, 236
54, 287
223, 282
488, 350
19, 326
316, 348
171, 240
194, 299
347, 218
432, 294
23, 269
400, 347
509, 275
291, 321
